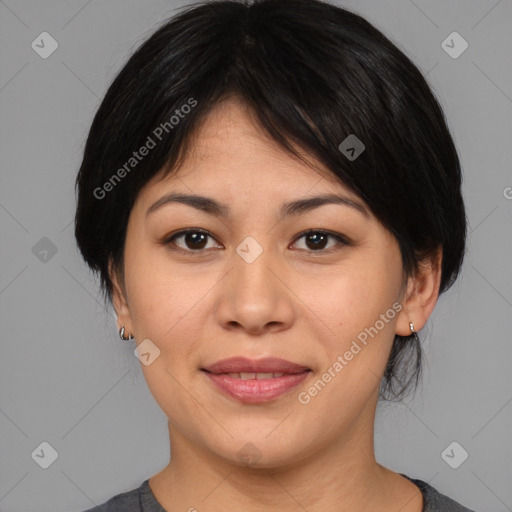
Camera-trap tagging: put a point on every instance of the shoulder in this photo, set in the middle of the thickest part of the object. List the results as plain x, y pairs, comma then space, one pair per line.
434, 501
140, 499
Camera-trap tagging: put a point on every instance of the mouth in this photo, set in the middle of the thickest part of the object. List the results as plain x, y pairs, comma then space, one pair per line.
244, 365
256, 381
253, 375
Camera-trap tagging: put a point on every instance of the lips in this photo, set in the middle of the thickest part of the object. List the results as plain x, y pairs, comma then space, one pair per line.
255, 381
243, 365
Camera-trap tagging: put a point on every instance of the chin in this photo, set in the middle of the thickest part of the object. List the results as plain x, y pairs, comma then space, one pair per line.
258, 452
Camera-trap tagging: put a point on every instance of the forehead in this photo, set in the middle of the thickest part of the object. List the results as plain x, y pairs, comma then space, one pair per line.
231, 143
232, 164
231, 127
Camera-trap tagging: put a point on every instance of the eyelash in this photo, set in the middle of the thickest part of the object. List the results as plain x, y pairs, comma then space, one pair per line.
343, 241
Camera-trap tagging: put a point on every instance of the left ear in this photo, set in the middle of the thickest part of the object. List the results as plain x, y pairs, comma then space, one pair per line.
421, 294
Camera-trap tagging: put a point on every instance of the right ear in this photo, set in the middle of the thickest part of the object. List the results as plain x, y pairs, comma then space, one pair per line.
119, 298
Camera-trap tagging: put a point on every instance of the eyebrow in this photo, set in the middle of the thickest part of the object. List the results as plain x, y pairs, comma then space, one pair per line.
297, 207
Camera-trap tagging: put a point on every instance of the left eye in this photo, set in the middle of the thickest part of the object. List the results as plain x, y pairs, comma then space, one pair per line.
195, 240
316, 240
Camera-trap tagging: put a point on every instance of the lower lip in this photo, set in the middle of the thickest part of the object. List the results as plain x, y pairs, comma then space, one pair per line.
257, 391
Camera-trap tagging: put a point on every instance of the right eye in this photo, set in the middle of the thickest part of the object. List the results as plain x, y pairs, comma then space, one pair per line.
195, 240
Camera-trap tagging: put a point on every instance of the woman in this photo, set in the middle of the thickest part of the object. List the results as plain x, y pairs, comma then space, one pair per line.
271, 197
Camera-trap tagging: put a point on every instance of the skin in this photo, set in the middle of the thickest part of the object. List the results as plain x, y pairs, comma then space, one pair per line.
294, 302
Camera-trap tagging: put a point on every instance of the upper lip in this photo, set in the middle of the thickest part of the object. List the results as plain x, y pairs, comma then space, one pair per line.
245, 365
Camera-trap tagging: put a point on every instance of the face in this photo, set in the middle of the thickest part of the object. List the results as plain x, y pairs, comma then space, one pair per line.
318, 286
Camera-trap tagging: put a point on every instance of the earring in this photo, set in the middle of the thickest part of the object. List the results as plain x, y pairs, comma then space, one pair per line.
122, 336
413, 332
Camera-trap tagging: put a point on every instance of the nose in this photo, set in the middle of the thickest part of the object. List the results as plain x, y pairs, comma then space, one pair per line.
256, 296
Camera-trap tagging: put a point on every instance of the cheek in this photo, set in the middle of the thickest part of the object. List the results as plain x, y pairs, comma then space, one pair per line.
164, 304
352, 297
158, 293
359, 305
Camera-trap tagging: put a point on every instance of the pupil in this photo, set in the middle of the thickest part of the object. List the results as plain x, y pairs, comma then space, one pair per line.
315, 237
197, 239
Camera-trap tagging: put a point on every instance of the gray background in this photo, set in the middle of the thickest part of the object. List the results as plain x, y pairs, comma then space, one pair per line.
67, 379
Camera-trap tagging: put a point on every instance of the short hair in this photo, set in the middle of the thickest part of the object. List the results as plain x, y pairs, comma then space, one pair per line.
313, 74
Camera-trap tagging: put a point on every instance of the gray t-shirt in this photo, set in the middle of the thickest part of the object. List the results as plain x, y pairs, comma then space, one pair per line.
142, 499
